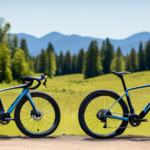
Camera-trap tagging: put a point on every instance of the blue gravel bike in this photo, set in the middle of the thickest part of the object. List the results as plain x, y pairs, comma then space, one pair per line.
104, 114
36, 113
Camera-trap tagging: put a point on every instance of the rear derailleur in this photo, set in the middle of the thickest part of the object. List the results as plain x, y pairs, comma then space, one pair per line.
101, 117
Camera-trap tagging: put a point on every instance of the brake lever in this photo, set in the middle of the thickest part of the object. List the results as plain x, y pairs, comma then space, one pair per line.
44, 83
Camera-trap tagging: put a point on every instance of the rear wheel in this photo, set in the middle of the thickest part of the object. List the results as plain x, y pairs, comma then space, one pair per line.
91, 114
34, 126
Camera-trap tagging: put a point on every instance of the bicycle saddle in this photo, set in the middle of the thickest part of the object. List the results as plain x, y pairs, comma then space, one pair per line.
119, 74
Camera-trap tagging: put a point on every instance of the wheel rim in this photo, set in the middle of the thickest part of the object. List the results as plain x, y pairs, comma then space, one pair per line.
96, 125
37, 125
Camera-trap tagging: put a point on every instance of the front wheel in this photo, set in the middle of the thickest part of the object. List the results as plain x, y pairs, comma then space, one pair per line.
34, 126
91, 113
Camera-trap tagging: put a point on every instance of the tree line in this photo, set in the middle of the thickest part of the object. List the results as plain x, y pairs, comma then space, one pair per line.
58, 64
15, 60
95, 61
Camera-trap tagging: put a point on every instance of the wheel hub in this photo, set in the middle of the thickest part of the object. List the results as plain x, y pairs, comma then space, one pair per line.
101, 113
33, 115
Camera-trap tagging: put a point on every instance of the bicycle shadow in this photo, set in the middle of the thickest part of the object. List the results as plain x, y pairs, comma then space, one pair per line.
120, 138
5, 137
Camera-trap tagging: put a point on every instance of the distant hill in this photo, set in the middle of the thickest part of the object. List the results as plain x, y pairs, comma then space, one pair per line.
76, 42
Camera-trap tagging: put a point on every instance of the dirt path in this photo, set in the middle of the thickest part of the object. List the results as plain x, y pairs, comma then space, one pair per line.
65, 142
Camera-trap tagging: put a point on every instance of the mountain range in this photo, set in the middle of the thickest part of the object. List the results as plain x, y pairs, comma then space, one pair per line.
74, 42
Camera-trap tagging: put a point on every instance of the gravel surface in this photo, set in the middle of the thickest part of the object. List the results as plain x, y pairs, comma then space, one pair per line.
71, 142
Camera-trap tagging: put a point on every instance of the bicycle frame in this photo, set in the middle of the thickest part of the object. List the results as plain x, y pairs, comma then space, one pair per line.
144, 111
21, 95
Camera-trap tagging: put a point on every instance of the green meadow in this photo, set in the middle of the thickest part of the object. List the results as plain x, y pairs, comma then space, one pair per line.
70, 90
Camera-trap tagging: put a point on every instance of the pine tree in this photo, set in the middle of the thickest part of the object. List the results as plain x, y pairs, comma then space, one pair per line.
58, 66
37, 64
92, 64
107, 54
24, 47
51, 63
14, 45
61, 61
6, 74
147, 55
141, 58
127, 63
133, 61
117, 63
67, 63
43, 66
80, 59
102, 52
50, 47
74, 64
51, 60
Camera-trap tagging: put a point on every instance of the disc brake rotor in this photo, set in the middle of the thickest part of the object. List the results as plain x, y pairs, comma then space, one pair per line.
33, 115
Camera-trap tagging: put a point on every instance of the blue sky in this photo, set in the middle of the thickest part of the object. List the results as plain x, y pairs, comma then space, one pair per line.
115, 19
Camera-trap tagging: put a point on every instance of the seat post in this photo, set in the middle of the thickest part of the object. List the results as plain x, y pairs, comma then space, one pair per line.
122, 79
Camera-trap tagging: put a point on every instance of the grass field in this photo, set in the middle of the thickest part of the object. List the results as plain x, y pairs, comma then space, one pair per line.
70, 90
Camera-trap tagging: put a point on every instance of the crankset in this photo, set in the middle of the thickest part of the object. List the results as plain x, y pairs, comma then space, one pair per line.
5, 118
135, 120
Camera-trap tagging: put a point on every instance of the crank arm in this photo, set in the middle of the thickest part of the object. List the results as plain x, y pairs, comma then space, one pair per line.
141, 120
9, 119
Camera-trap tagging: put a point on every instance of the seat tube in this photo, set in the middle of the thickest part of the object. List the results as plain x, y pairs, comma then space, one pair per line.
127, 95
32, 103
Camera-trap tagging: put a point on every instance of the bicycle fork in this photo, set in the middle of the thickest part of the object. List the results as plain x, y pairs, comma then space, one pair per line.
33, 105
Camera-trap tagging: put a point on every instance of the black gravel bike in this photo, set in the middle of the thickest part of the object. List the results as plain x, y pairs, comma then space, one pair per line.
104, 114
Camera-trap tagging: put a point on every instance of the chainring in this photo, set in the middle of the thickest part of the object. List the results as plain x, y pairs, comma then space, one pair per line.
133, 120
2, 118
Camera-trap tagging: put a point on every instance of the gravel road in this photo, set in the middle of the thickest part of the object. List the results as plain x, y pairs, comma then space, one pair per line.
70, 142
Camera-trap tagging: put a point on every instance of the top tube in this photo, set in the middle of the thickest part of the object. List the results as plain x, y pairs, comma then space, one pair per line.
143, 86
14, 87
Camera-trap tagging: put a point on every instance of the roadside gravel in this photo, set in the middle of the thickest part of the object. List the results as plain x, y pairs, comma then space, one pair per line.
71, 142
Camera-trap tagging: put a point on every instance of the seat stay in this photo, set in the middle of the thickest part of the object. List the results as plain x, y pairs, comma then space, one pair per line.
114, 103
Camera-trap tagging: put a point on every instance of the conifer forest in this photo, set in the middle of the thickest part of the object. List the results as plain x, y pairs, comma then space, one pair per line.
15, 60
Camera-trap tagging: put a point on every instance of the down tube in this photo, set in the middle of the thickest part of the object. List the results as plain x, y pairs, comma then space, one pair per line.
23, 93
